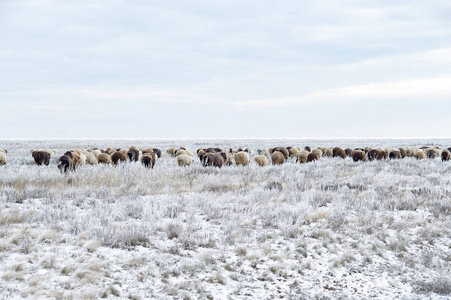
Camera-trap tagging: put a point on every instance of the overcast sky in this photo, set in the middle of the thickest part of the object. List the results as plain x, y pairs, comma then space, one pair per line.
225, 69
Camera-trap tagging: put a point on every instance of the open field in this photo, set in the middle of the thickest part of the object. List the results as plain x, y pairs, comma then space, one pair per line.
324, 230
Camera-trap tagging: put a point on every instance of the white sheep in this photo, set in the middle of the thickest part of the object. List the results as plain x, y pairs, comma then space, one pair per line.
90, 158
184, 160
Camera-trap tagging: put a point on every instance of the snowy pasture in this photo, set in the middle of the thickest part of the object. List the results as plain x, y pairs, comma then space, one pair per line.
324, 230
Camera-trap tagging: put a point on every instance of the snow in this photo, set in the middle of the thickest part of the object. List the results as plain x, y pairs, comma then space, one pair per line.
324, 230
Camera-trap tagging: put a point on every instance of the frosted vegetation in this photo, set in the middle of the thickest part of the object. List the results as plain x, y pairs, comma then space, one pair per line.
323, 230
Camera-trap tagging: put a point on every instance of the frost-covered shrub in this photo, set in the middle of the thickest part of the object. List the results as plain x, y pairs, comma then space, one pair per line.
440, 285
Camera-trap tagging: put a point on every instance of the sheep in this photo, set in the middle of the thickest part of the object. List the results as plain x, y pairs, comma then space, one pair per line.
75, 156
124, 151
358, 155
419, 154
348, 152
148, 150
157, 152
184, 160
376, 154
91, 158
171, 151
302, 156
445, 155
66, 163
410, 152
213, 159
318, 152
395, 154
227, 158
282, 150
148, 160
4, 151
118, 156
263, 152
200, 152
82, 159
312, 157
329, 152
403, 152
307, 148
261, 160
293, 152
241, 158
277, 158
133, 154
180, 152
96, 152
431, 153
2, 158
41, 157
338, 152
104, 158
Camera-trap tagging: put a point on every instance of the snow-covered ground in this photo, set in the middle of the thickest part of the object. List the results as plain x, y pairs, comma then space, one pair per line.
324, 230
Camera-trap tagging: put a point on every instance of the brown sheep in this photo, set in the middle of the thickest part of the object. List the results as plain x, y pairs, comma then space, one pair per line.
261, 160
312, 157
41, 157
133, 154
157, 152
213, 159
420, 154
104, 158
403, 152
227, 158
338, 152
395, 154
376, 154
171, 151
66, 163
118, 156
445, 155
75, 156
358, 155
241, 158
148, 150
348, 152
372, 154
302, 156
200, 152
318, 152
431, 153
2, 158
282, 150
293, 152
277, 158
148, 160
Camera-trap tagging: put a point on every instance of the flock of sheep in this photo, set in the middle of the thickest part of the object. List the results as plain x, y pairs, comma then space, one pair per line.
218, 157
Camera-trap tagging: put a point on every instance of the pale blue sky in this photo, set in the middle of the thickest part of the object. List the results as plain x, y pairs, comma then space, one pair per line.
225, 69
